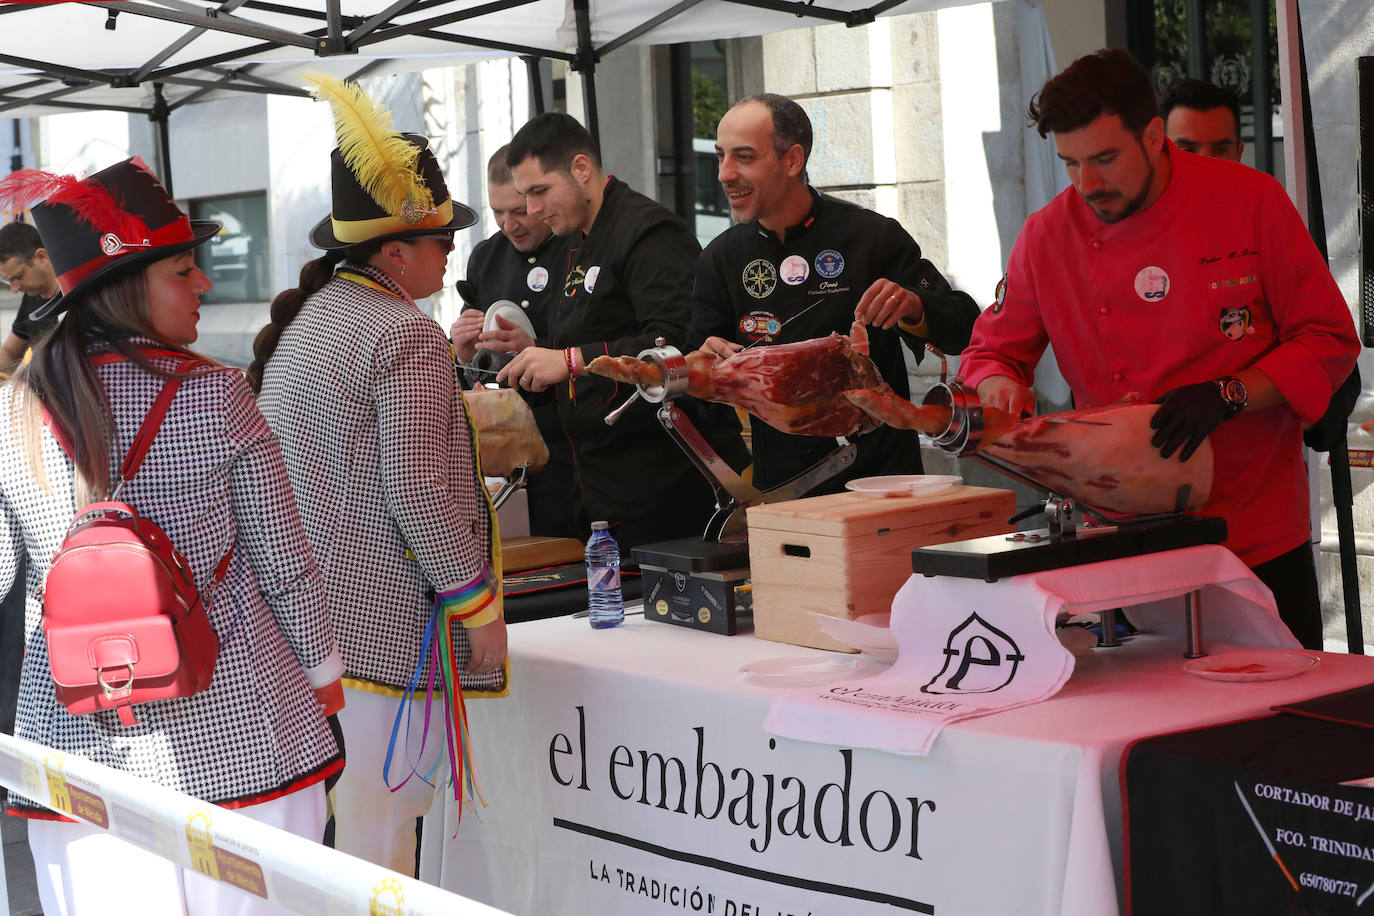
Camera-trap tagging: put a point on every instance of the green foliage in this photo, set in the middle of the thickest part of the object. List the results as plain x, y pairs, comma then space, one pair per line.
708, 105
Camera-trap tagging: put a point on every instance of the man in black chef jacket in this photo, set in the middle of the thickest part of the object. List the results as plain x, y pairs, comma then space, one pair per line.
629, 281
522, 262
792, 248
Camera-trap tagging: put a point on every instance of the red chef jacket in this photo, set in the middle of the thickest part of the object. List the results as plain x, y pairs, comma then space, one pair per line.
1219, 274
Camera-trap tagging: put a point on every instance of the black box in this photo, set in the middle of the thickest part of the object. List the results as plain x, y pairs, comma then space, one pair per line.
691, 583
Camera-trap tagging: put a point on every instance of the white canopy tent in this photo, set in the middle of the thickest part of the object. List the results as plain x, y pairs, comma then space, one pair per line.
153, 56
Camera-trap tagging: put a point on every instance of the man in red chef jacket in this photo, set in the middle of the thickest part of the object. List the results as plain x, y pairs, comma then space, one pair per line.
1190, 281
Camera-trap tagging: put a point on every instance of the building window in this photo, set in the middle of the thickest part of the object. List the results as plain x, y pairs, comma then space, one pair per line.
238, 259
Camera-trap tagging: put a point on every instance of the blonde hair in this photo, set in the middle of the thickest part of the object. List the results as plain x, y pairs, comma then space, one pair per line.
59, 381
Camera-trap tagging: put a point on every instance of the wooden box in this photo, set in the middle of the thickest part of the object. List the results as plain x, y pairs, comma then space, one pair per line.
847, 554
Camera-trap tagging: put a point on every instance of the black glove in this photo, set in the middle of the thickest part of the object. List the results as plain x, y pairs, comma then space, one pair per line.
1186, 416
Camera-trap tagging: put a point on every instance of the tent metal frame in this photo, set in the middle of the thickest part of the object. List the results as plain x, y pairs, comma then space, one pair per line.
339, 35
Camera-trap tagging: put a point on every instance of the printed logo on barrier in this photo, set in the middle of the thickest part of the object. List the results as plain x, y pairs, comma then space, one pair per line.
537, 279
1234, 323
59, 796
200, 839
979, 658
387, 899
795, 270
219, 863
760, 278
830, 263
1152, 284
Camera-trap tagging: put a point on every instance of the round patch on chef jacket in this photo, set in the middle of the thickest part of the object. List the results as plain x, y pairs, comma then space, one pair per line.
830, 263
795, 270
1235, 323
590, 282
537, 279
1152, 284
999, 295
759, 278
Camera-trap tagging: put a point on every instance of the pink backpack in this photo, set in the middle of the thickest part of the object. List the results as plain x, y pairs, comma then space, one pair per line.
123, 618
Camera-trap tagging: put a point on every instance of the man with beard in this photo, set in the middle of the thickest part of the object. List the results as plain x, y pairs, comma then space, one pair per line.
1187, 280
628, 282
795, 253
521, 263
25, 268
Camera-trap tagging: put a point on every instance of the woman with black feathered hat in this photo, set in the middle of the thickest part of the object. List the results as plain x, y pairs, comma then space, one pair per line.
213, 480
361, 387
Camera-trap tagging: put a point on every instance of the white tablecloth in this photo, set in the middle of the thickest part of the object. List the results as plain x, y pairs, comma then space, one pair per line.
1014, 813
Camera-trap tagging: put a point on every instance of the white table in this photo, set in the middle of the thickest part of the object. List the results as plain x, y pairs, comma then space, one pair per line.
1017, 813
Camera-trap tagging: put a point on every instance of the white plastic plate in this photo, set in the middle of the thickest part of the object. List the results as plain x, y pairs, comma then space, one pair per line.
800, 671
1251, 665
903, 484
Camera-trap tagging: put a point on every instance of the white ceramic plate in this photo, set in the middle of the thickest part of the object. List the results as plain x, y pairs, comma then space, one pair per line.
511, 313
868, 633
903, 484
1251, 665
800, 671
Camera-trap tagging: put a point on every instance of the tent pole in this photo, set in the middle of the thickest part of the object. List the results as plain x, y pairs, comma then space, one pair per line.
586, 65
160, 115
536, 81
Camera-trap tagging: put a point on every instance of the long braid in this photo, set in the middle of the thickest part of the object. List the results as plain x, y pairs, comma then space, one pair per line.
285, 307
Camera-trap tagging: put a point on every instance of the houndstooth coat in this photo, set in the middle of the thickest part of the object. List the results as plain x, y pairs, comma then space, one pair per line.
213, 478
363, 394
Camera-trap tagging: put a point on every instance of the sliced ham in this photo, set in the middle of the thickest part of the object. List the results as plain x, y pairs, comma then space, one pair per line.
1101, 456
797, 388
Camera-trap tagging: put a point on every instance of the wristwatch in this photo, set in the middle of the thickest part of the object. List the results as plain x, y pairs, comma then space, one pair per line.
1233, 395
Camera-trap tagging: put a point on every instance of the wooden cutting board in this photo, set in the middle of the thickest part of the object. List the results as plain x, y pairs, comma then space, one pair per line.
532, 552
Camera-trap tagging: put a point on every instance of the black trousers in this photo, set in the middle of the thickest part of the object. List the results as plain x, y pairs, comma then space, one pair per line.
1292, 577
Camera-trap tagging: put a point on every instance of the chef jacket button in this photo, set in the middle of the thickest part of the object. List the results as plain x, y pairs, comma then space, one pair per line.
1117, 376
529, 260
1096, 243
524, 303
1104, 310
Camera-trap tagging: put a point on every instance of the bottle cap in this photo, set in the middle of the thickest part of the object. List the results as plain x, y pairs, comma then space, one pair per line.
600, 526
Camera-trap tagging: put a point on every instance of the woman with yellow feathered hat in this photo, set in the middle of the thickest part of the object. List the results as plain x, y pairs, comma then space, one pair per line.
360, 387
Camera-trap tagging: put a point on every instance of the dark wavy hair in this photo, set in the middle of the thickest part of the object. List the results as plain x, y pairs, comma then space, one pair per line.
1109, 81
1199, 95
554, 139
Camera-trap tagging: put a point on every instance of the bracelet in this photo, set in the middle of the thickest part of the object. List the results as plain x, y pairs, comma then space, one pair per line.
571, 361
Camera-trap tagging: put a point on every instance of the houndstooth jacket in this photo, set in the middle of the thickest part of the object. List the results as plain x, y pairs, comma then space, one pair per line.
213, 478
363, 394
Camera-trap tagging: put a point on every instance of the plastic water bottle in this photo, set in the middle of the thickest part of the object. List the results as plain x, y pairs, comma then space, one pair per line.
606, 607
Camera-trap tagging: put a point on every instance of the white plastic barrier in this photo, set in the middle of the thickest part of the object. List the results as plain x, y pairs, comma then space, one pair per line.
274, 865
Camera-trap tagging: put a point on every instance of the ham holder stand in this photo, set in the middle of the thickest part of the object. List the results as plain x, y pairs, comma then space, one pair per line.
696, 582
1076, 533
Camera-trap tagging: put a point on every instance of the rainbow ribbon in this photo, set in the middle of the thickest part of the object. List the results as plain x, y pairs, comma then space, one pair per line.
438, 668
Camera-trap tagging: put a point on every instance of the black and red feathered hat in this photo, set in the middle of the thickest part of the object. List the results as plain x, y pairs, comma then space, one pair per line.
102, 226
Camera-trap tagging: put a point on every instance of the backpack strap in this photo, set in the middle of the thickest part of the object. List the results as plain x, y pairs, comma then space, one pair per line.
152, 422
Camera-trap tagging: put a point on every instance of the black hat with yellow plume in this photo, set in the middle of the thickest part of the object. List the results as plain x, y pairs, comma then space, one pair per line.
386, 185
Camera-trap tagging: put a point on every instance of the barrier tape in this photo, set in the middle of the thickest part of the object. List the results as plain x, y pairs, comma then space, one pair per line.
273, 865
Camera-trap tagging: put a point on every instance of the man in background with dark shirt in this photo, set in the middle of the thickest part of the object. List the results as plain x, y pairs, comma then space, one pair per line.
25, 268
794, 253
523, 262
629, 281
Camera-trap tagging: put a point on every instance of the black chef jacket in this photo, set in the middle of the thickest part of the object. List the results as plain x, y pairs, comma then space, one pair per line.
25, 325
496, 271
629, 282
748, 283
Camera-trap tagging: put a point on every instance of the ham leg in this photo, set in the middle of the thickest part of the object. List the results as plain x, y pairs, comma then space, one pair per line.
796, 388
1101, 456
